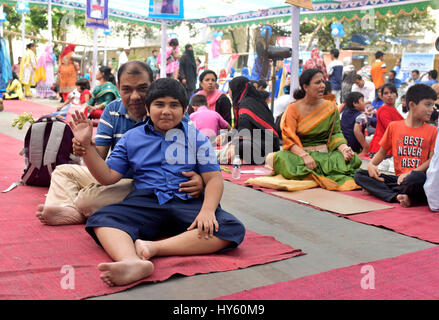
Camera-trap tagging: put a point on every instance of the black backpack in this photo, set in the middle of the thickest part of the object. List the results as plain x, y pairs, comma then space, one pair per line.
48, 143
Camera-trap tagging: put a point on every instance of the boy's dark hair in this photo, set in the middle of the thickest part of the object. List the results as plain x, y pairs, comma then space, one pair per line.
167, 87
83, 83
432, 74
415, 71
379, 55
137, 68
418, 92
351, 98
335, 52
199, 100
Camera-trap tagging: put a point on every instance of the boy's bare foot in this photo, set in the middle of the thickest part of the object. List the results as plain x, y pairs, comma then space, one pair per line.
365, 191
125, 272
56, 215
404, 200
145, 249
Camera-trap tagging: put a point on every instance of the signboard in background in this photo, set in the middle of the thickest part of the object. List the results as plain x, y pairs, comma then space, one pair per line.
166, 9
423, 62
97, 14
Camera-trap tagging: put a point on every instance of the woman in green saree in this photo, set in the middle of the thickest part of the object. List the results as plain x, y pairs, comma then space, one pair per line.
314, 147
103, 94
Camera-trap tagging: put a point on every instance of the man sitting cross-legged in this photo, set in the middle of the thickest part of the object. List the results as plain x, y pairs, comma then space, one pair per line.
74, 194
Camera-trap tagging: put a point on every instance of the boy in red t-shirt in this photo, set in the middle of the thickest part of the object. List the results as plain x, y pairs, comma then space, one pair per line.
412, 143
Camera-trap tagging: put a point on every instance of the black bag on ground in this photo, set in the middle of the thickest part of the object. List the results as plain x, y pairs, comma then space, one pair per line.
48, 143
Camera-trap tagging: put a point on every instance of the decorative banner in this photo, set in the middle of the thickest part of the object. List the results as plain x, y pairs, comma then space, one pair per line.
97, 14
423, 62
166, 9
307, 4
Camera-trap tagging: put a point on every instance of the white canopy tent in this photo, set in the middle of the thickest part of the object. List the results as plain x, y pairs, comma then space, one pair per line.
224, 14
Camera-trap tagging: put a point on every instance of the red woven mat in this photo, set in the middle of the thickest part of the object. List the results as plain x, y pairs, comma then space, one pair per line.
46, 262
19, 106
406, 277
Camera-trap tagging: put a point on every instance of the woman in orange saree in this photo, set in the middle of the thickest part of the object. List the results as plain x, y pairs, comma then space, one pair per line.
314, 147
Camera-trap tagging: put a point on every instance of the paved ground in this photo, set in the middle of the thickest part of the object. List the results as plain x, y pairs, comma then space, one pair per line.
329, 241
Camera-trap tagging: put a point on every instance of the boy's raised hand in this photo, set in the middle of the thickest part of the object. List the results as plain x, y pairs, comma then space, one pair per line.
82, 128
206, 223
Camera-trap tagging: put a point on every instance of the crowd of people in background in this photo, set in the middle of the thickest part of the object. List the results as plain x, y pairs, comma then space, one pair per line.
347, 110
336, 118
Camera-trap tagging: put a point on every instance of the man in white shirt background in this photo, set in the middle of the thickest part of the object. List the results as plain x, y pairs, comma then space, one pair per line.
123, 57
366, 87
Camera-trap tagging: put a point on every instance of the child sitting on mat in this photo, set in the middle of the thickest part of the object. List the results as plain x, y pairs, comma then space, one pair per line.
157, 152
354, 121
411, 142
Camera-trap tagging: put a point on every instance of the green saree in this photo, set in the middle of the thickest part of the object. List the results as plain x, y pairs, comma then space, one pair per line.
104, 93
332, 172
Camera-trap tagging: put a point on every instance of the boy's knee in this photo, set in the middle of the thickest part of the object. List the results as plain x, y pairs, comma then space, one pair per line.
360, 174
416, 177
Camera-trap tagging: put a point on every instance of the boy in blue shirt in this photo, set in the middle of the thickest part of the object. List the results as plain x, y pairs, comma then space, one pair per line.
157, 152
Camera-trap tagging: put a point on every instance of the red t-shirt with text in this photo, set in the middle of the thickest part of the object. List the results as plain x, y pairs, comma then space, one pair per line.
410, 146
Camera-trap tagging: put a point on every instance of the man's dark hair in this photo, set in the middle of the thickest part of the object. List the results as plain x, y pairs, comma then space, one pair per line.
335, 52
154, 50
351, 98
137, 68
167, 87
199, 100
433, 74
379, 55
415, 71
418, 92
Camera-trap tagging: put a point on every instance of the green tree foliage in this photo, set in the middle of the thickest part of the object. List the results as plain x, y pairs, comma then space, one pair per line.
378, 30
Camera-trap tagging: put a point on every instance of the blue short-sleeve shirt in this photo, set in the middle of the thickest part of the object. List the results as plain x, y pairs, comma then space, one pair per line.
157, 160
113, 124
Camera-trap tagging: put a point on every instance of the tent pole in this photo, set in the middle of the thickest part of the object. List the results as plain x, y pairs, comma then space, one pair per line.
295, 36
23, 44
1, 23
163, 51
49, 18
95, 57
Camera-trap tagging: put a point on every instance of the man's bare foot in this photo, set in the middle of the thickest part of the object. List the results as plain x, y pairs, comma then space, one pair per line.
125, 272
56, 215
404, 200
145, 249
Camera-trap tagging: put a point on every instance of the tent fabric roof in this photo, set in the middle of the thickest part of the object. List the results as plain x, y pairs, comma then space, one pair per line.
224, 14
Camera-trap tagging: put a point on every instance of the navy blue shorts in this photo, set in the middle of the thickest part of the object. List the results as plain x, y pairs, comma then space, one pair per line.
141, 216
